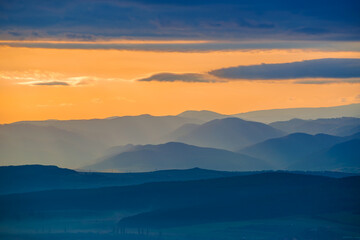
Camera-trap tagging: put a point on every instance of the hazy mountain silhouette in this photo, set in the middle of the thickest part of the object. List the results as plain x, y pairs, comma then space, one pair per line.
230, 134
284, 151
342, 156
267, 195
202, 115
180, 132
29, 144
76, 143
175, 155
272, 115
332, 126
142, 129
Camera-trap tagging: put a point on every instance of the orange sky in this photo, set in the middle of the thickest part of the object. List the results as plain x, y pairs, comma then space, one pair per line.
110, 88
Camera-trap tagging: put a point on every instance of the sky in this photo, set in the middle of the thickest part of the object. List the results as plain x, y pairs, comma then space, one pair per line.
95, 59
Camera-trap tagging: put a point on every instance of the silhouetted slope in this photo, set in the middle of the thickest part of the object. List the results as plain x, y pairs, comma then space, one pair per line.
178, 156
342, 156
272, 115
284, 151
28, 178
230, 134
332, 126
235, 198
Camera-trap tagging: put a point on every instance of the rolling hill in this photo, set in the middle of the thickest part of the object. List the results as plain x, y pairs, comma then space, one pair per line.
334, 126
284, 151
178, 156
344, 156
230, 134
167, 204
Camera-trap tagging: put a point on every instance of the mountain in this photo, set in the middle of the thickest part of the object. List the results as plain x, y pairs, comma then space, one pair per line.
332, 126
142, 129
166, 204
342, 156
272, 115
202, 115
284, 151
30, 144
180, 132
76, 143
178, 156
230, 134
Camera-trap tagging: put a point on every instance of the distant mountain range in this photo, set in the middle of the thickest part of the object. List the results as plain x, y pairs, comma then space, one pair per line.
119, 142
230, 134
178, 156
298, 150
273, 115
344, 126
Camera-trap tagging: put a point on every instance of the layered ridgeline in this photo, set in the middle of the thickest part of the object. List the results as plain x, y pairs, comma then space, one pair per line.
80, 143
175, 155
343, 126
230, 134
273, 115
304, 151
76, 143
29, 178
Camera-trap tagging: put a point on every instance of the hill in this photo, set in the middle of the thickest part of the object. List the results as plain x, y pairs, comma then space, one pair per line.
334, 126
284, 151
165, 204
230, 134
343, 156
178, 156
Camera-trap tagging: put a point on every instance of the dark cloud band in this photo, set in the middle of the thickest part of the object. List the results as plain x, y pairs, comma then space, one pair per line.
319, 68
180, 77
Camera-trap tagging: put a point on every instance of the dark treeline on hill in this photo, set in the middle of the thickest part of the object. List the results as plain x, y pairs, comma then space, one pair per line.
166, 204
30, 178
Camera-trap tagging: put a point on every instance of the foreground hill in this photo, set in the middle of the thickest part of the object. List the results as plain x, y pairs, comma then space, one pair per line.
343, 126
230, 134
28, 178
178, 156
267, 195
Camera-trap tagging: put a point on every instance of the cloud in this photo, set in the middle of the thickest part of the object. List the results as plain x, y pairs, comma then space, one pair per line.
186, 46
318, 68
327, 81
183, 19
53, 83
181, 77
46, 78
